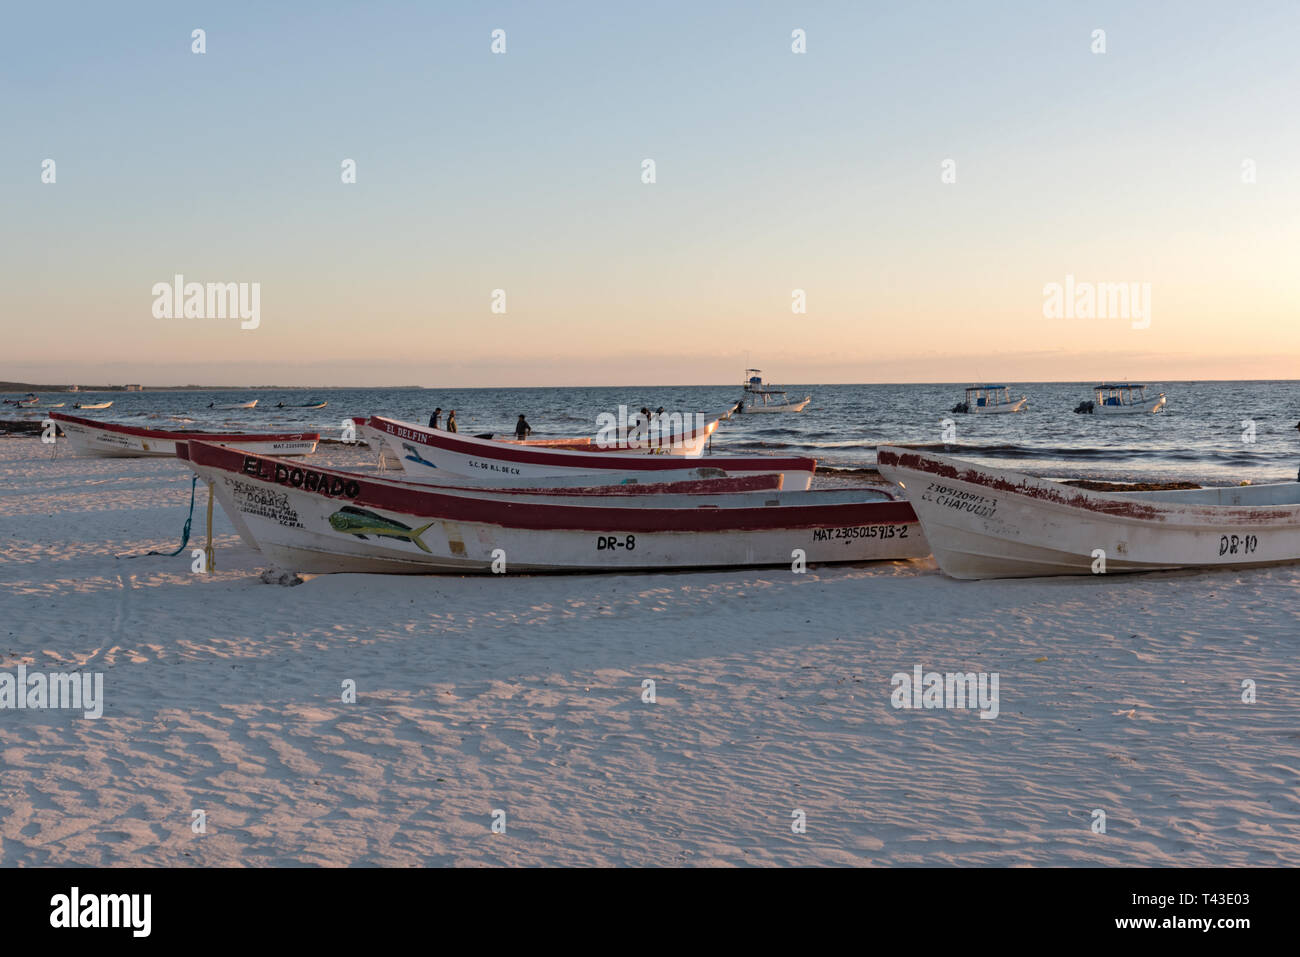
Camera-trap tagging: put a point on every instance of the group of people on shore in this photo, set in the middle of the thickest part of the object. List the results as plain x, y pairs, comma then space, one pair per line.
435, 420
522, 428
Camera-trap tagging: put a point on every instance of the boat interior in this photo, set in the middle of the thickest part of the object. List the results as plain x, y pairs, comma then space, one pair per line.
1248, 496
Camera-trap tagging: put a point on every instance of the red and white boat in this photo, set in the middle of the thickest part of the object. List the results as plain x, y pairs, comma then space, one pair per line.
327, 520
93, 437
657, 438
642, 483
994, 523
431, 453
374, 440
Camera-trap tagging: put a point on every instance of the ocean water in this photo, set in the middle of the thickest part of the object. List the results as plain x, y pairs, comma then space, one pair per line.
1203, 436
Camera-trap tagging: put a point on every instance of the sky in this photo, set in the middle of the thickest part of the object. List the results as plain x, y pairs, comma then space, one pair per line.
922, 173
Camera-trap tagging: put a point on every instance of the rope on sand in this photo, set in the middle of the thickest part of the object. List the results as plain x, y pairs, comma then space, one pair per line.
185, 533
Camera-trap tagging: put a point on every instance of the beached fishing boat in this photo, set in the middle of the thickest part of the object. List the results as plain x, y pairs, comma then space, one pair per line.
233, 406
759, 398
662, 435
647, 482
427, 452
326, 520
580, 443
995, 523
94, 437
1127, 398
990, 400
373, 439
92, 405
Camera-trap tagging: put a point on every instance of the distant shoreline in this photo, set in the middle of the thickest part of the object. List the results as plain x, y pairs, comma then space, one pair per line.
36, 387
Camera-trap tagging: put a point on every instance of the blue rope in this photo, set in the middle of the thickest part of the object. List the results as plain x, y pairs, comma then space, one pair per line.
185, 534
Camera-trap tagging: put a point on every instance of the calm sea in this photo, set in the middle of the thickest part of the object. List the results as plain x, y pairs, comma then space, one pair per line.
1204, 436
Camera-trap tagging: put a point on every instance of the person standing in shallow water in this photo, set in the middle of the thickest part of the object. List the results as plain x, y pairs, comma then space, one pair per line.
522, 428
451, 421
435, 420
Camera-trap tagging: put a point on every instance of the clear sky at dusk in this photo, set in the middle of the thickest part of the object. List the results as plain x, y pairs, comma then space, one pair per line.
775, 171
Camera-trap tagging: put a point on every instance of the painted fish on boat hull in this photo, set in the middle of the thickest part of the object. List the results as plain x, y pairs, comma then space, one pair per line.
413, 455
362, 522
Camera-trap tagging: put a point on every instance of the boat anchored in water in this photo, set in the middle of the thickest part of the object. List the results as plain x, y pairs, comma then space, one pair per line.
759, 397
1126, 398
92, 405
990, 399
231, 407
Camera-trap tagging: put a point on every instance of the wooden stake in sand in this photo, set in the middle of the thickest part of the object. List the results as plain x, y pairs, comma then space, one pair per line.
208, 551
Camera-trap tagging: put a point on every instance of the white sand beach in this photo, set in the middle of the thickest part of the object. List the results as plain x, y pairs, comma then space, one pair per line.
524, 694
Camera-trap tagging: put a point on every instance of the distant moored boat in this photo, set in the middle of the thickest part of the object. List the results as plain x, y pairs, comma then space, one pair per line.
990, 399
759, 398
1127, 398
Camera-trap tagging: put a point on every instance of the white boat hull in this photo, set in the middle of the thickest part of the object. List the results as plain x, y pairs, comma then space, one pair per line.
1017, 406
109, 440
757, 409
992, 523
377, 440
374, 439
282, 510
1145, 408
427, 454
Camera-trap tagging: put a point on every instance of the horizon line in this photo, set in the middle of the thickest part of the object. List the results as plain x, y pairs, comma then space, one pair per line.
38, 387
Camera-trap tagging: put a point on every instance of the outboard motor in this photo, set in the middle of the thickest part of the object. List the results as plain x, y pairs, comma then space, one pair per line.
1084, 408
961, 407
